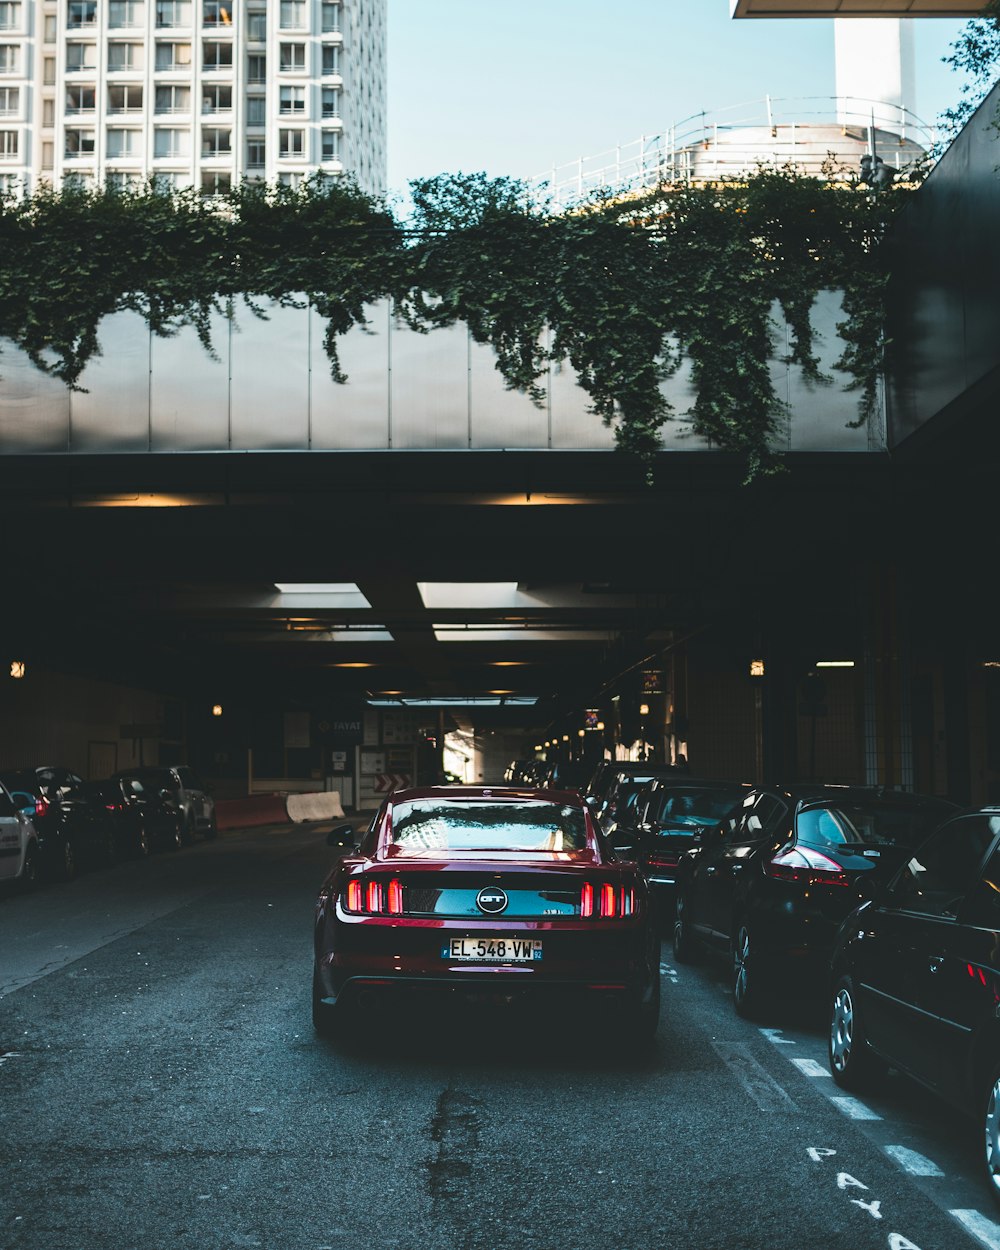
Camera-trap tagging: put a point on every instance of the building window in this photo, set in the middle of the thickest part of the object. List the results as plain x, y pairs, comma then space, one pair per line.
256, 27
169, 142
216, 142
10, 101
292, 100
125, 13
331, 58
331, 16
255, 110
48, 113
292, 58
216, 56
123, 179
331, 101
290, 180
48, 154
125, 99
256, 67
173, 13
49, 71
164, 181
331, 145
80, 143
124, 56
81, 99
124, 143
293, 15
216, 182
291, 143
8, 143
49, 28
81, 56
216, 98
9, 58
173, 56
82, 13
216, 13
173, 100
10, 15
255, 154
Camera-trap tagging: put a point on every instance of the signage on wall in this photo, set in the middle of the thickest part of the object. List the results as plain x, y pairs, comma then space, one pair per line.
652, 681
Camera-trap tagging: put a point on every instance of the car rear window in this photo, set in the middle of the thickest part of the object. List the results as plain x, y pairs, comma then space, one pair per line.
867, 825
699, 808
439, 824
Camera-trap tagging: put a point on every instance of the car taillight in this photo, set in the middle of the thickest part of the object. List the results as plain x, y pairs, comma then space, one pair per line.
367, 896
806, 866
662, 859
611, 900
42, 806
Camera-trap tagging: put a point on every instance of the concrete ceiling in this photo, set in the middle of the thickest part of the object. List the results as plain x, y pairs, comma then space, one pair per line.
855, 8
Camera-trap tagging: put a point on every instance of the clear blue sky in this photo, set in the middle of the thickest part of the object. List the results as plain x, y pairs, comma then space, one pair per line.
514, 86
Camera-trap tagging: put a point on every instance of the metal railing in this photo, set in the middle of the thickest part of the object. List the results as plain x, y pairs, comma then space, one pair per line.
815, 134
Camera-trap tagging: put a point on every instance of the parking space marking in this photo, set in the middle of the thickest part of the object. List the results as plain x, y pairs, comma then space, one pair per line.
980, 1227
809, 1067
667, 971
912, 1162
857, 1110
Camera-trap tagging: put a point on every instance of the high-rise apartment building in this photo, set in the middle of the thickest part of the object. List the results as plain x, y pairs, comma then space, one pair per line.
194, 92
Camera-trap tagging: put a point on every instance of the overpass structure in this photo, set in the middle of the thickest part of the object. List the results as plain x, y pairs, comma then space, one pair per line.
348, 572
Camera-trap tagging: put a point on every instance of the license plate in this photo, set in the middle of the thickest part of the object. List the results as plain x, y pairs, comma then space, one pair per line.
493, 950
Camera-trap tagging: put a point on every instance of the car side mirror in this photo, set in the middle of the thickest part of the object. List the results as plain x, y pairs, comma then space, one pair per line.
341, 837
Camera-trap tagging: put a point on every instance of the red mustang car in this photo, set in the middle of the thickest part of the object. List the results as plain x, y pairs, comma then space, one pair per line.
491, 894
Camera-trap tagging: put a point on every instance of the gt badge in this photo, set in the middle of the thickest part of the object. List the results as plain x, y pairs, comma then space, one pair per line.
491, 900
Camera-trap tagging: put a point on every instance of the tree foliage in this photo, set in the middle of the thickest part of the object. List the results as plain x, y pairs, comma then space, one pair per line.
975, 53
624, 289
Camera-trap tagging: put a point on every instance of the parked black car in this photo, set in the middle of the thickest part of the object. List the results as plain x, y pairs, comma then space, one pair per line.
671, 813
73, 828
617, 789
916, 978
192, 800
143, 817
771, 892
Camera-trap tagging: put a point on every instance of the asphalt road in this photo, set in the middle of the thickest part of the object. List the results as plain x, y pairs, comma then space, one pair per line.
161, 1089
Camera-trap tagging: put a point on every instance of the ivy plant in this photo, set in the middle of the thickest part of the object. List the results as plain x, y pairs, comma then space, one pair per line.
623, 289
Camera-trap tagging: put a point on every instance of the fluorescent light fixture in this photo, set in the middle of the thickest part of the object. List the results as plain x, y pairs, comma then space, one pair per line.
470, 700
316, 588
492, 633
468, 594
834, 663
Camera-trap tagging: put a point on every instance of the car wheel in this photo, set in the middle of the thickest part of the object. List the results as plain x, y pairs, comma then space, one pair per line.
685, 949
853, 1063
186, 832
142, 847
67, 861
326, 1019
176, 838
991, 1121
748, 987
212, 828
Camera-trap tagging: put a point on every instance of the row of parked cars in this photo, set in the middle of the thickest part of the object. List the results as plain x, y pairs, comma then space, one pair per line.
53, 823
887, 902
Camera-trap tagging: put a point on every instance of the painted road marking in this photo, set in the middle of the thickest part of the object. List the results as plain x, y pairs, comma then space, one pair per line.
774, 1035
915, 1164
980, 1227
809, 1067
857, 1111
763, 1089
667, 971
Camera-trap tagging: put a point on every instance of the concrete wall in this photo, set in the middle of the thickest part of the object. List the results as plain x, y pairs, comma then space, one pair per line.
270, 389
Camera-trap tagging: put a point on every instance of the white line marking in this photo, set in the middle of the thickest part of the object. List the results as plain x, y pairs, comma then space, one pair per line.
774, 1035
857, 1111
910, 1161
979, 1226
809, 1067
762, 1088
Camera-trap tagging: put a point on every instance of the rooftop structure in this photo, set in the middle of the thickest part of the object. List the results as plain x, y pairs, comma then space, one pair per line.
856, 8
194, 92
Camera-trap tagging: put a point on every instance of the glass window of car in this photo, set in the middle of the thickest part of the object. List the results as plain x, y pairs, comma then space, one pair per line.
188, 780
441, 825
937, 878
983, 907
758, 821
866, 824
